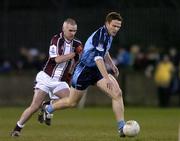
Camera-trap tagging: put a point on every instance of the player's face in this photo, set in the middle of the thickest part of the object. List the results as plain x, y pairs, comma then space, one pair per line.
69, 31
113, 27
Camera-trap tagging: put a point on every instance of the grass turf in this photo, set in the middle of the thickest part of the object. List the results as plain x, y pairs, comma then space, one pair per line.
93, 124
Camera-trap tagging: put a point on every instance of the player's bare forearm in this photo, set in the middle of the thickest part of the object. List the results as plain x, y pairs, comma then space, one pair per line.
63, 58
101, 66
108, 60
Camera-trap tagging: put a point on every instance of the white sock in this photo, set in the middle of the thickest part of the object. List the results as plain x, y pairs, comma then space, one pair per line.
21, 126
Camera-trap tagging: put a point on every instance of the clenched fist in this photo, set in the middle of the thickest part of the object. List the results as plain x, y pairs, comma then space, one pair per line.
78, 49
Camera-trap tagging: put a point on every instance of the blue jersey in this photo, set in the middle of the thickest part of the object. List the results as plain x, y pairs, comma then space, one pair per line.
86, 72
98, 44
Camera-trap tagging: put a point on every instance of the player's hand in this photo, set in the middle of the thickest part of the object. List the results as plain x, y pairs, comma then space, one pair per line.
109, 84
72, 55
78, 50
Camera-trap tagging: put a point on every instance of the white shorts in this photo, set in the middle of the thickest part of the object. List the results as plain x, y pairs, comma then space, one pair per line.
49, 85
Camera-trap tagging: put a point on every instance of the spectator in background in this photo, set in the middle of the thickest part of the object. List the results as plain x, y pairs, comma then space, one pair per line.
30, 59
137, 57
134, 51
123, 58
175, 58
152, 56
163, 76
5, 66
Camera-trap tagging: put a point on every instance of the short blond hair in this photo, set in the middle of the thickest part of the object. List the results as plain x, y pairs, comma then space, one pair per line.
70, 21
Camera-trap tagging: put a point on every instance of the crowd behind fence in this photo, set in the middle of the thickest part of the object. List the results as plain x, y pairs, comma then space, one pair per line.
149, 32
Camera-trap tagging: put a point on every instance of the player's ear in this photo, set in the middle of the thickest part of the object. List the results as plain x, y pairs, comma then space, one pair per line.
107, 24
65, 25
63, 29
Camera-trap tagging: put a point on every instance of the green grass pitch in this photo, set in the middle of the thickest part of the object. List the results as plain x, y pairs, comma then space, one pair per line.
92, 124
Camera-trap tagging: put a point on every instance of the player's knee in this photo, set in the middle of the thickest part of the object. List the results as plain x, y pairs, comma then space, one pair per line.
117, 94
73, 104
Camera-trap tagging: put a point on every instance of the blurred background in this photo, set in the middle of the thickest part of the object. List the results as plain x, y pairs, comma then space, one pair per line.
146, 50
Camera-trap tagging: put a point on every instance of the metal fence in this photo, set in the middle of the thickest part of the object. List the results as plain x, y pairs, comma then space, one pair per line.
32, 24
34, 28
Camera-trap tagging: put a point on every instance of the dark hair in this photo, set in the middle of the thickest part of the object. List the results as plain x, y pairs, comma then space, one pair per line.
113, 16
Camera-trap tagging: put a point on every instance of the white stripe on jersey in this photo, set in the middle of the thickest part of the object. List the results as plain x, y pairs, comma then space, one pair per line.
77, 41
60, 68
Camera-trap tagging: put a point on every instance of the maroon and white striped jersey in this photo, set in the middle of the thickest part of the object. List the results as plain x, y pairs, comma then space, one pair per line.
60, 46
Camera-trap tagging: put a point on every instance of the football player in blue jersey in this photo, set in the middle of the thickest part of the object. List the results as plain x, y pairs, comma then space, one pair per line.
91, 70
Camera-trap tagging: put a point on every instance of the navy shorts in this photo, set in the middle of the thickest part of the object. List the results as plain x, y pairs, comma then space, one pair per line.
85, 76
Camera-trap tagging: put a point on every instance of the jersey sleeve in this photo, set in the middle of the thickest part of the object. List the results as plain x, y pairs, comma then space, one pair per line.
98, 43
98, 37
99, 52
53, 49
